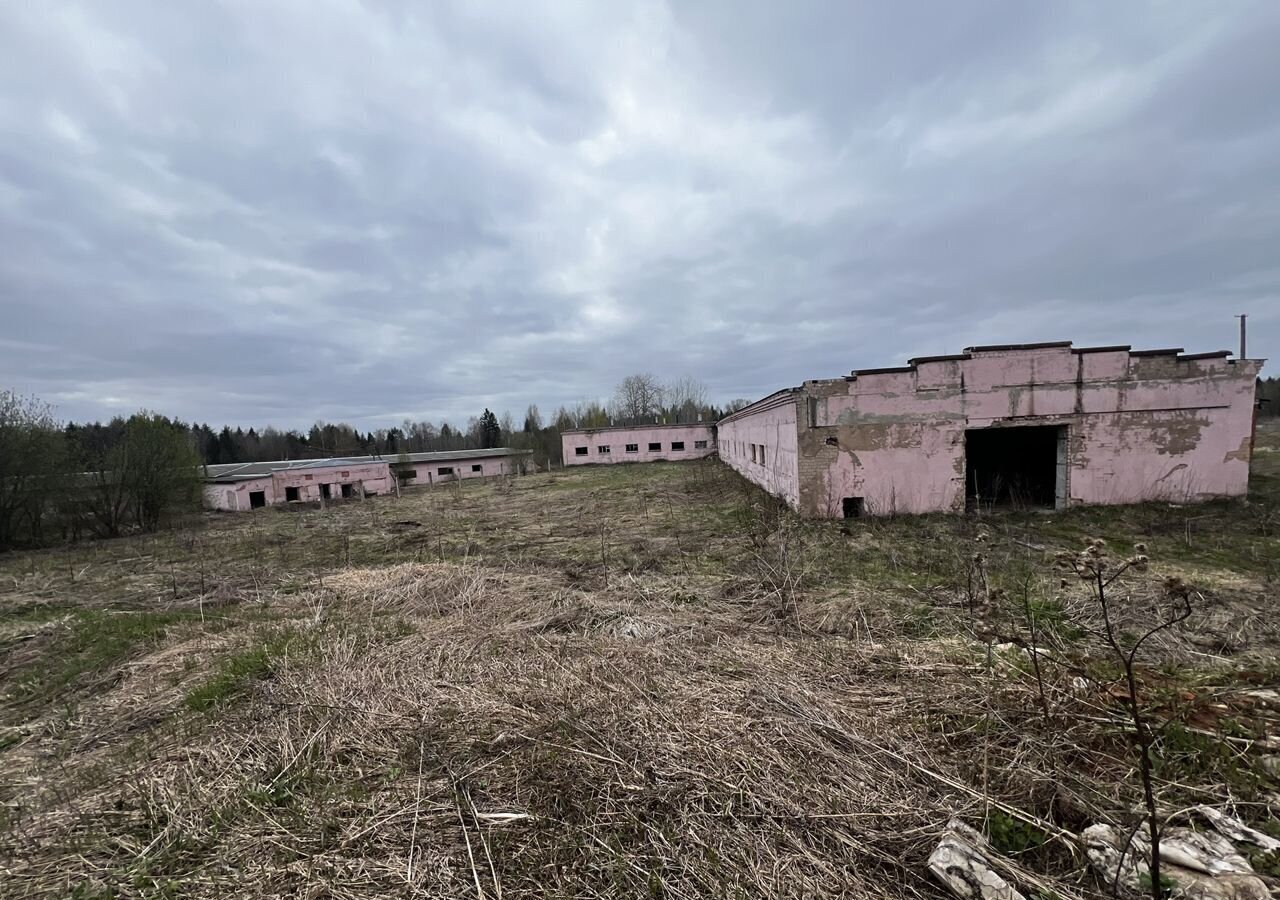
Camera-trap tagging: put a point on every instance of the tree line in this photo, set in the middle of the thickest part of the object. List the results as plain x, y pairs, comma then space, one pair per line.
64, 483
637, 399
1269, 396
144, 471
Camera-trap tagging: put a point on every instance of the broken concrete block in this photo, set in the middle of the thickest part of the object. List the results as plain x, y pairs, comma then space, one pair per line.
1233, 828
1202, 851
960, 862
1103, 845
1201, 866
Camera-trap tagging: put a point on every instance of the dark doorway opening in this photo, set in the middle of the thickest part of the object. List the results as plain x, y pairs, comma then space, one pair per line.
1013, 467
348, 491
290, 494
257, 499
852, 507
325, 491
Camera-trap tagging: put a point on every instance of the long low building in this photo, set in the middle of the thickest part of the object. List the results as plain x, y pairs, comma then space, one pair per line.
1036, 425
443, 466
245, 486
637, 443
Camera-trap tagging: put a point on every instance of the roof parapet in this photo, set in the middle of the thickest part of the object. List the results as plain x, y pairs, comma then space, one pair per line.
1114, 348
997, 348
1163, 351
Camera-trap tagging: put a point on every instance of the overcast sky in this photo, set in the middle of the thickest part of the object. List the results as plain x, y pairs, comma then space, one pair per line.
272, 212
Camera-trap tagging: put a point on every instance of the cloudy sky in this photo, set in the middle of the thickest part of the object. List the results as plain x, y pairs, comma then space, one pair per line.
272, 212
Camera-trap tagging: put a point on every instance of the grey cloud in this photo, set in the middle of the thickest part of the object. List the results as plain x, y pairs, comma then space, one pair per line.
277, 212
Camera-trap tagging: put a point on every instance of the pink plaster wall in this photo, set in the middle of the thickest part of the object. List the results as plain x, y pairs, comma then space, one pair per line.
617, 439
1140, 427
769, 424
920, 470
428, 473
375, 477
235, 495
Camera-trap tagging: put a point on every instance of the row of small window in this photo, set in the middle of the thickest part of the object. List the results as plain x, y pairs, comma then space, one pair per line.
406, 474
655, 447
291, 495
756, 450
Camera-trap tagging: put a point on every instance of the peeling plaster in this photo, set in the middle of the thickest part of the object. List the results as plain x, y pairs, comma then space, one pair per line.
1242, 453
859, 417
1179, 436
1140, 427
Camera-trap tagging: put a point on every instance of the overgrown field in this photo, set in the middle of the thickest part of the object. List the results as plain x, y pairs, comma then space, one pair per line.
620, 681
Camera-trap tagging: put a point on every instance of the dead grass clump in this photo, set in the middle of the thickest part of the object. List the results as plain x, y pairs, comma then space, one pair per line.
480, 756
700, 699
432, 588
585, 617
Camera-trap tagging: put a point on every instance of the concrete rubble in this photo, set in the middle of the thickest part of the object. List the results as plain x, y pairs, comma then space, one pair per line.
960, 862
1198, 864
1203, 865
1236, 830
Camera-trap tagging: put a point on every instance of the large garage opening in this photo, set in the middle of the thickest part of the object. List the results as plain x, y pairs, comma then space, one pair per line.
1020, 468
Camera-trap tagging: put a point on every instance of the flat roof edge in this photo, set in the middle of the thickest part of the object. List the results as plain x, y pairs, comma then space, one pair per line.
635, 427
952, 357
883, 370
995, 348
1114, 348
1163, 351
776, 396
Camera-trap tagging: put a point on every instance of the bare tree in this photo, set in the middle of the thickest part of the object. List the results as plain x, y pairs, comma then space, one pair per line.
687, 399
423, 436
637, 398
564, 420
736, 404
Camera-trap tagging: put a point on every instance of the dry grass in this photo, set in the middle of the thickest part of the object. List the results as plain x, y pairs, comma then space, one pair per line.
471, 693
583, 743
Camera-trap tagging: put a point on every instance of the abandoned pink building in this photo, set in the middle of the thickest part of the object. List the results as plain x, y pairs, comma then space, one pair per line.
244, 486
1045, 425
637, 443
443, 466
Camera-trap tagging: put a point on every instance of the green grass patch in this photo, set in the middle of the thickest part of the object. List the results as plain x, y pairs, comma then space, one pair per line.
1186, 756
237, 673
1013, 836
1266, 862
88, 644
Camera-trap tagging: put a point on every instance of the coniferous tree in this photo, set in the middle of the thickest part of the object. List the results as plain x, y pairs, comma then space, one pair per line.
490, 431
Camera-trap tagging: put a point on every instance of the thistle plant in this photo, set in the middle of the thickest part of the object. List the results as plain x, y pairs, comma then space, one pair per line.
1105, 578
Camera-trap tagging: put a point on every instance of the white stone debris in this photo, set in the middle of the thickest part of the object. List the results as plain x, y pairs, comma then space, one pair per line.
1234, 829
960, 862
1201, 865
1202, 851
